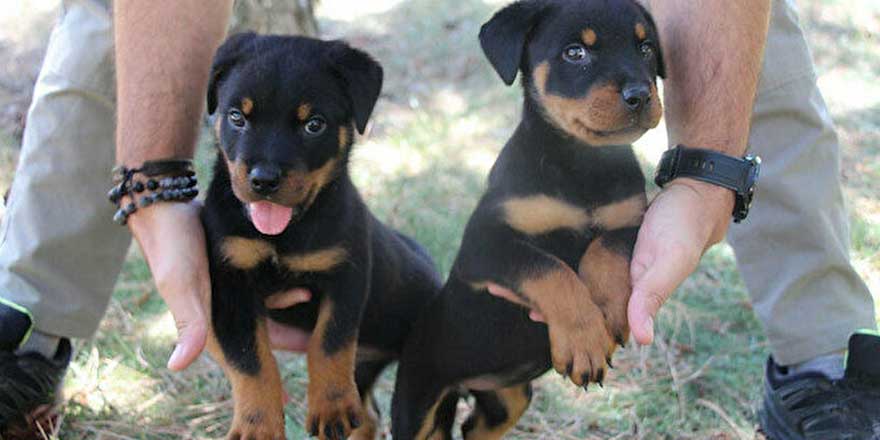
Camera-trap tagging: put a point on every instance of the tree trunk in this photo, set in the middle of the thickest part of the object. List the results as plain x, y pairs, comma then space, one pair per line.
295, 17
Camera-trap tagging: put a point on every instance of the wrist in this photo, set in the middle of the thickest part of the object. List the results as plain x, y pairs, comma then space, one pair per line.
168, 180
157, 225
714, 195
715, 203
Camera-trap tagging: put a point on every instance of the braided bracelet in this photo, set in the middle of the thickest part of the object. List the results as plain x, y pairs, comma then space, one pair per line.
155, 181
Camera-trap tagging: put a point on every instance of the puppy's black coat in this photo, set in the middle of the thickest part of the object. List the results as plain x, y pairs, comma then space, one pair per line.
282, 213
556, 225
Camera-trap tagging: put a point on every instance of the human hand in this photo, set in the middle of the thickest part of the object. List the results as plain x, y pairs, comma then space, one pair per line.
683, 221
284, 337
172, 239
173, 242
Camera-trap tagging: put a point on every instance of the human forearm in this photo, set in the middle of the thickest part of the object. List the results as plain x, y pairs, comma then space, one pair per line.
714, 50
163, 56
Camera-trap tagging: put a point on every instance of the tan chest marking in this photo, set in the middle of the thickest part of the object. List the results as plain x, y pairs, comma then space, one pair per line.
316, 261
248, 253
622, 214
540, 214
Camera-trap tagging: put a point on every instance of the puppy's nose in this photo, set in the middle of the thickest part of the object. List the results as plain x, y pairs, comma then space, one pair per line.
264, 179
636, 96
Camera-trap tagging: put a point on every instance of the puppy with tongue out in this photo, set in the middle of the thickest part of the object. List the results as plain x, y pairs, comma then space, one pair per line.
282, 213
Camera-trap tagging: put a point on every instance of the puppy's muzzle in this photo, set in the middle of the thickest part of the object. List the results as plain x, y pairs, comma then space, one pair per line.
636, 96
264, 179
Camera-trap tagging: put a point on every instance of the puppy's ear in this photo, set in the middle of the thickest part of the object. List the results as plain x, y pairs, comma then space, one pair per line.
361, 78
227, 55
661, 66
503, 37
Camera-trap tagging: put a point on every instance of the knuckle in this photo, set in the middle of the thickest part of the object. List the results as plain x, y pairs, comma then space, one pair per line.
653, 301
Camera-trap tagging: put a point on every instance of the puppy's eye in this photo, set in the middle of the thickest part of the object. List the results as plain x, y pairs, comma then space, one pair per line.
575, 53
315, 126
647, 48
236, 118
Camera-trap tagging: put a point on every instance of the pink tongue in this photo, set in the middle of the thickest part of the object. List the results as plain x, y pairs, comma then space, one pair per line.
269, 218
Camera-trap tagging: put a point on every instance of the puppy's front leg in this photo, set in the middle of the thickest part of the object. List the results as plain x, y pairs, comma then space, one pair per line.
605, 269
335, 407
239, 342
579, 340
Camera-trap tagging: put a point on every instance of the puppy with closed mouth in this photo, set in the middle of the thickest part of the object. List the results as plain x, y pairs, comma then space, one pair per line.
282, 213
556, 225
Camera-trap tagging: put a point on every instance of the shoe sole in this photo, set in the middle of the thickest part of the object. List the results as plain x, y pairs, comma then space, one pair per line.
773, 426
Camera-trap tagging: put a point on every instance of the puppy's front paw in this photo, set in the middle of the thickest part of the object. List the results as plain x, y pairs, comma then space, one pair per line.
581, 351
334, 414
616, 320
257, 425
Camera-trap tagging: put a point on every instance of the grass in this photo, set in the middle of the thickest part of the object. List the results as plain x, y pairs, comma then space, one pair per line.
442, 118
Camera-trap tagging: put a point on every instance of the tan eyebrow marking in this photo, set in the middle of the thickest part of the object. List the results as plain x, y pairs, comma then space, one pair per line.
247, 105
303, 111
641, 34
589, 36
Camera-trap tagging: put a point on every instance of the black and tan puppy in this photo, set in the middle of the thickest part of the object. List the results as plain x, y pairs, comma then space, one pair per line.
556, 225
282, 213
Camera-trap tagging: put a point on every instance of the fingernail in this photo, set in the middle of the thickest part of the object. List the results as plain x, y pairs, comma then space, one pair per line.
173, 359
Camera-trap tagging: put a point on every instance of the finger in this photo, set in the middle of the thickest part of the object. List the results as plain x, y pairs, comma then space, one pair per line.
191, 336
503, 292
287, 299
536, 316
185, 302
654, 284
282, 337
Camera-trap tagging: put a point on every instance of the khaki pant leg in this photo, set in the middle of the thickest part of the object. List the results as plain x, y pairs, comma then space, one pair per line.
793, 251
60, 253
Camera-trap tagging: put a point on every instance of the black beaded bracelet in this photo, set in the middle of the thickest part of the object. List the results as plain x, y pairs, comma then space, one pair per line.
167, 181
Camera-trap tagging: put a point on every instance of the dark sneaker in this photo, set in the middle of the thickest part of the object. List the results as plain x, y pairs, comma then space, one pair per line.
810, 406
29, 382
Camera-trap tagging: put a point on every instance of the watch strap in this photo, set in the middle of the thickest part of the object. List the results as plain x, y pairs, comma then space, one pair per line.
705, 165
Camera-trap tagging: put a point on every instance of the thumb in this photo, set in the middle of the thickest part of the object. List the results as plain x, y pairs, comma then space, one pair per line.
654, 278
192, 331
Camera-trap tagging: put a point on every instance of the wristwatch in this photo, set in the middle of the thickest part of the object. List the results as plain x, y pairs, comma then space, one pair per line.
739, 175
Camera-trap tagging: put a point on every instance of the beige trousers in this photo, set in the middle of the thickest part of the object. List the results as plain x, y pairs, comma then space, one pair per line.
793, 250
60, 254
